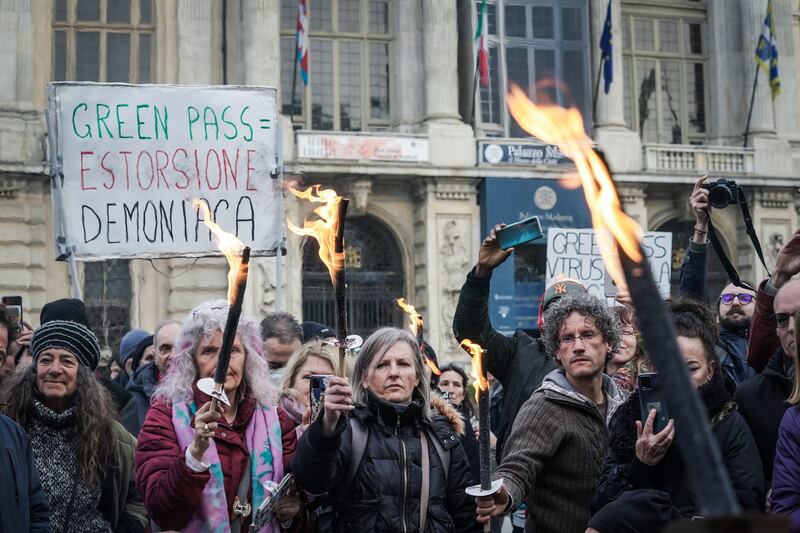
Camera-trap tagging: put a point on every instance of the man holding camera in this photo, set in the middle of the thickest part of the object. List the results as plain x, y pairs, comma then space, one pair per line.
735, 305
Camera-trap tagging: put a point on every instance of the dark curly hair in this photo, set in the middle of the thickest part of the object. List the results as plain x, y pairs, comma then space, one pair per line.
586, 305
695, 320
93, 424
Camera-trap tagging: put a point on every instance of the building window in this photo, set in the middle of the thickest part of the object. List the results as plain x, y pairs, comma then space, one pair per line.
348, 80
103, 40
664, 75
542, 47
107, 295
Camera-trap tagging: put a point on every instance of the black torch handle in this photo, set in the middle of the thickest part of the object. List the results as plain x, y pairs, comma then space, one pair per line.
707, 474
483, 439
339, 286
232, 323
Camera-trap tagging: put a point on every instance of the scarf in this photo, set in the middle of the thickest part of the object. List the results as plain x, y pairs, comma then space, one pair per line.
263, 441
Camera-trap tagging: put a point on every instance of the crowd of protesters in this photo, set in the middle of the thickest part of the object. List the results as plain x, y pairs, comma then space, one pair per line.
140, 447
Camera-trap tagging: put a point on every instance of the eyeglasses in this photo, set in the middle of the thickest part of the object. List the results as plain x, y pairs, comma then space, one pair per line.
569, 340
744, 298
782, 319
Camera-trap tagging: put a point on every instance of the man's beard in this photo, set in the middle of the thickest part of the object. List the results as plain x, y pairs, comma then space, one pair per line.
737, 322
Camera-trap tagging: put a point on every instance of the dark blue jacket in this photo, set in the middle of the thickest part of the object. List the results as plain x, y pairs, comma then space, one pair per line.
732, 347
23, 507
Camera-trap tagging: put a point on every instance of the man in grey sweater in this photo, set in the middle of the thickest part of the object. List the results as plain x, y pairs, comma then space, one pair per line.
556, 448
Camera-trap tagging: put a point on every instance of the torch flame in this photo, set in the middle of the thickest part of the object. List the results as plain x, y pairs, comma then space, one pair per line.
476, 353
323, 229
228, 244
431, 365
416, 318
564, 128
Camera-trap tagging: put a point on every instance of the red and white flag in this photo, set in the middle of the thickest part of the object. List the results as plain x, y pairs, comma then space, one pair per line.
301, 39
481, 31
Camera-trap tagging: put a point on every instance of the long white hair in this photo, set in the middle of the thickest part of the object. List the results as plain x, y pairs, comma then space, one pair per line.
203, 321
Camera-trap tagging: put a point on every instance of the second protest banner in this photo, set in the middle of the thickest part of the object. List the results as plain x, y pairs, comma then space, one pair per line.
132, 160
575, 254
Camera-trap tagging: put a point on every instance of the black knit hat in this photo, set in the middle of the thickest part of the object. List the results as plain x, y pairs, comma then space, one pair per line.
67, 335
70, 309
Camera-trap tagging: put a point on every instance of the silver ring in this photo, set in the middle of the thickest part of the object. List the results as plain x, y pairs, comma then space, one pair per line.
205, 427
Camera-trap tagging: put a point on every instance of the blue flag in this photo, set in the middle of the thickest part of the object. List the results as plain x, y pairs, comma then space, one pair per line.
767, 52
607, 51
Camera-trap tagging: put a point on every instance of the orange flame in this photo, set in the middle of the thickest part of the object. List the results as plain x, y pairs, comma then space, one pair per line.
323, 229
564, 128
476, 352
228, 244
416, 318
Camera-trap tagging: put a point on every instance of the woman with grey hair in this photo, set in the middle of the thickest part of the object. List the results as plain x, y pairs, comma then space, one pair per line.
392, 465
202, 469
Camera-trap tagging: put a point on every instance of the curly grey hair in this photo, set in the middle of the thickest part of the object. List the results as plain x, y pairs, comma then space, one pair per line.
203, 321
586, 305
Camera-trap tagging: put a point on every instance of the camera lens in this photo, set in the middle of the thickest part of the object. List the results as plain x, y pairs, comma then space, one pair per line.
720, 196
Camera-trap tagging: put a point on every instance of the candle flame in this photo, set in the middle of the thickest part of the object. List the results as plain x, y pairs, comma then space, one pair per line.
416, 318
230, 246
324, 228
565, 128
476, 352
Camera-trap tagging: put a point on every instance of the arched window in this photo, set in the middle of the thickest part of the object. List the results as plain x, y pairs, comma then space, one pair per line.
374, 279
348, 79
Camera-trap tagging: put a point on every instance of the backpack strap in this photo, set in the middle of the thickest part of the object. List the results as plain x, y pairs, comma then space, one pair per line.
359, 435
442, 452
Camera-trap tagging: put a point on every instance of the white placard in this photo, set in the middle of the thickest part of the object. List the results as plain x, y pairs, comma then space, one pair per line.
134, 156
362, 147
575, 253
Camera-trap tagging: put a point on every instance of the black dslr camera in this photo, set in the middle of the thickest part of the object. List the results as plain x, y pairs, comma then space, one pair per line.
722, 193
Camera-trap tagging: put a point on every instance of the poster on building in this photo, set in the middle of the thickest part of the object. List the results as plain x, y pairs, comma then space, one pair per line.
575, 254
133, 161
363, 147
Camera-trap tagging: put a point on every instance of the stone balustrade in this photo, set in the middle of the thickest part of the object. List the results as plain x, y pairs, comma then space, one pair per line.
698, 159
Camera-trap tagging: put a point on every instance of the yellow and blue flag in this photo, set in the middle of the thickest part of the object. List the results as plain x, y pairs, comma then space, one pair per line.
767, 52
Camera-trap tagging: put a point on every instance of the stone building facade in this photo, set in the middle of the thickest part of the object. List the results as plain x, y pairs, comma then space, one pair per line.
387, 119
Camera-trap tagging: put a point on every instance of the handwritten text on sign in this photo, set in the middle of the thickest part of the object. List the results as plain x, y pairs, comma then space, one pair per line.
575, 253
134, 157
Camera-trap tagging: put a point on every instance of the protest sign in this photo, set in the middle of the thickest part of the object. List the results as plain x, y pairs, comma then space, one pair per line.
133, 157
575, 253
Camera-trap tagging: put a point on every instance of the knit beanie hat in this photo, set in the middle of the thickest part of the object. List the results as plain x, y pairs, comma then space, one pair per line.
127, 348
67, 335
70, 309
138, 352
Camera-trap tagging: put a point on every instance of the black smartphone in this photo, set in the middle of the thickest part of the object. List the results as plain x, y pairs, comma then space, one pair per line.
14, 306
519, 233
316, 393
651, 396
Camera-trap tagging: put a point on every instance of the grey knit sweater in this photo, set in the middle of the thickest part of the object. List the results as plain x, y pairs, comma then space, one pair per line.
554, 454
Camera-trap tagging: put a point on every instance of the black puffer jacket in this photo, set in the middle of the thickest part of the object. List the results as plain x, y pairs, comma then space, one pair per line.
385, 493
623, 472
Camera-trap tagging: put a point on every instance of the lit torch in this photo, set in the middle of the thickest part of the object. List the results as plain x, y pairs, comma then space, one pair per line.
328, 230
481, 384
619, 239
417, 327
238, 256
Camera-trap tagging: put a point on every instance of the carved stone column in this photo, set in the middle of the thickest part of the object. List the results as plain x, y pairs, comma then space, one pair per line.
440, 44
195, 30
407, 48
261, 42
9, 22
632, 198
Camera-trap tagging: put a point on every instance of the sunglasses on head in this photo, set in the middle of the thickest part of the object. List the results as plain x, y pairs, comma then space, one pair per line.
782, 319
744, 298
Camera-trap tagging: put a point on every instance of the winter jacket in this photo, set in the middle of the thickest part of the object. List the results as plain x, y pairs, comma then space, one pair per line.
555, 452
519, 361
172, 492
764, 341
732, 346
385, 493
120, 501
785, 497
762, 402
141, 387
624, 473
24, 505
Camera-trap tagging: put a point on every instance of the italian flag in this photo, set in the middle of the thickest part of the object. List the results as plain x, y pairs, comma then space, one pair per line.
483, 51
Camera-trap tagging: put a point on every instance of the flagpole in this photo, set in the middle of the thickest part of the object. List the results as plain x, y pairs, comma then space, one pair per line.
294, 81
473, 120
750, 111
597, 87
